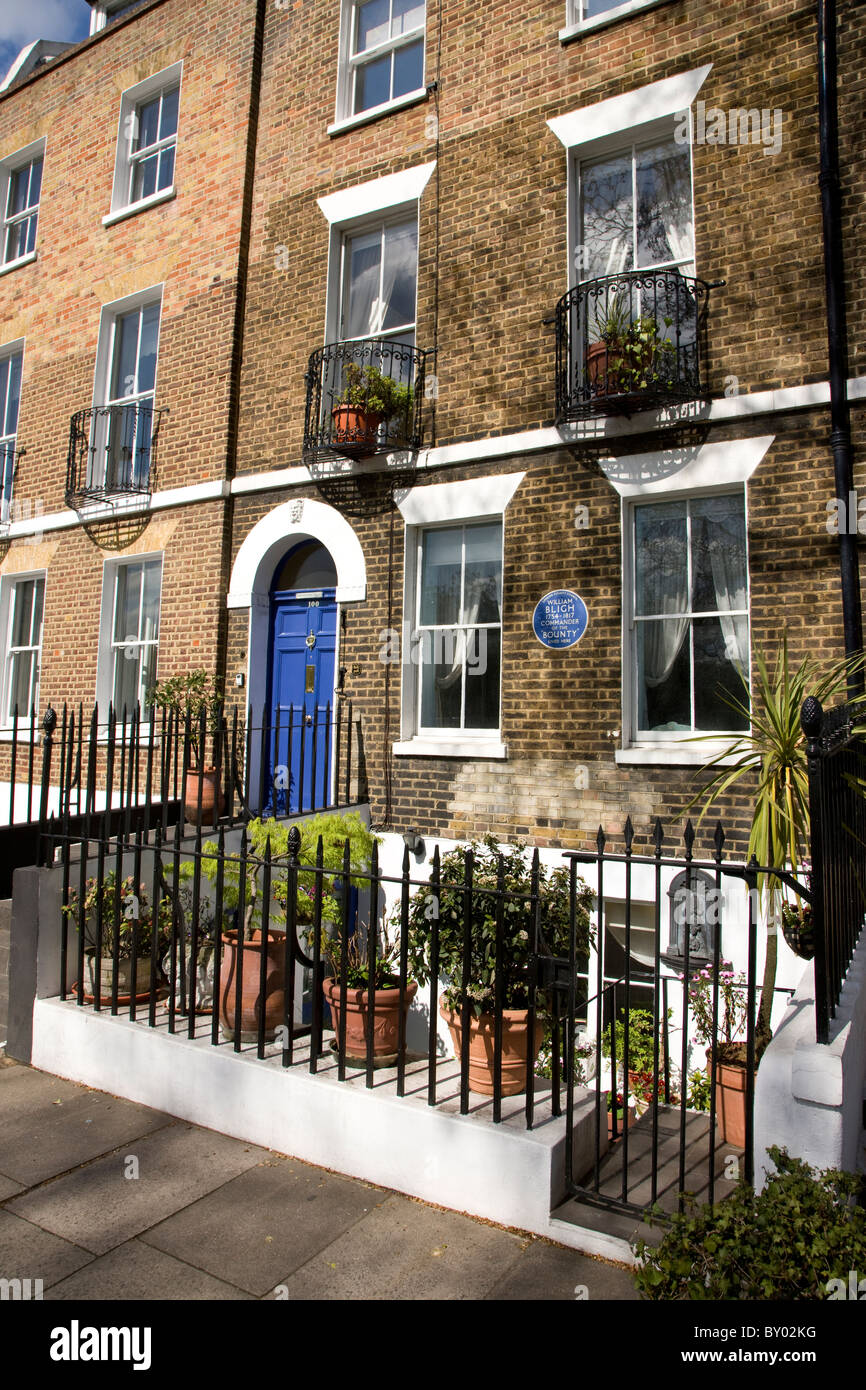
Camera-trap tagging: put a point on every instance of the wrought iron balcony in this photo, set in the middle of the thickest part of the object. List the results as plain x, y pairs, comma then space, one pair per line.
112, 453
630, 342
364, 397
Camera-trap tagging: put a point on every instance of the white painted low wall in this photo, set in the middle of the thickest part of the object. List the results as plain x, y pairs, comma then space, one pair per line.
808, 1096
503, 1172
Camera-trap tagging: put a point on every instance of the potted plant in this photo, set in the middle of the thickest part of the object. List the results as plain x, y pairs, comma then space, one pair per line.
119, 917
730, 1043
245, 938
770, 762
623, 1116
643, 1083
373, 1005
798, 928
196, 700
334, 829
178, 972
628, 354
610, 327
368, 399
517, 951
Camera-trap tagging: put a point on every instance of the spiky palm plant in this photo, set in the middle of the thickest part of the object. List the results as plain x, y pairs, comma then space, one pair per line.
774, 750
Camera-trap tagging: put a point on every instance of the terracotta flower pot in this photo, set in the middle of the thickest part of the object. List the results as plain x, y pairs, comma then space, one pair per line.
620, 1122
210, 799
251, 1001
386, 1018
515, 1039
601, 378
730, 1101
356, 430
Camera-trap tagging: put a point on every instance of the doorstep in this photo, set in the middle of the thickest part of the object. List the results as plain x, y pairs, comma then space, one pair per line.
503, 1173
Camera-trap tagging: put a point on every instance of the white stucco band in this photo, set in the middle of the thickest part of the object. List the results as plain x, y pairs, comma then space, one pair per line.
270, 538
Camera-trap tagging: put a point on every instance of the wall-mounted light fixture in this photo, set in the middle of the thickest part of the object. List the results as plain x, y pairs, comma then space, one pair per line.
414, 842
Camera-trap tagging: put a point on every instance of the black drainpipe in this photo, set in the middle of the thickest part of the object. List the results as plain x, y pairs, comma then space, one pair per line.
837, 333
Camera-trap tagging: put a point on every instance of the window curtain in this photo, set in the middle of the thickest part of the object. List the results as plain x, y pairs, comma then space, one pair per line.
665, 592
727, 560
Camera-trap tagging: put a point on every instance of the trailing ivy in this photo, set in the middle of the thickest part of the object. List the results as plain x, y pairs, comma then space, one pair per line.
787, 1242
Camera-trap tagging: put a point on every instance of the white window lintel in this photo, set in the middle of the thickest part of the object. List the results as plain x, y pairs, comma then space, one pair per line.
430, 506
377, 195
705, 468
632, 109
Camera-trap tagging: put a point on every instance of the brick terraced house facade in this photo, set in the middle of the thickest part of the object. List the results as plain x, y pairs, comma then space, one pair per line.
430, 182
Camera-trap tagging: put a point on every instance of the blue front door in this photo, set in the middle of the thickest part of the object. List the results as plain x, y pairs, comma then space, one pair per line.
303, 648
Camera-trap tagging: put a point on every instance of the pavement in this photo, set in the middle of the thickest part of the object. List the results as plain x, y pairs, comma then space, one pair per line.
103, 1199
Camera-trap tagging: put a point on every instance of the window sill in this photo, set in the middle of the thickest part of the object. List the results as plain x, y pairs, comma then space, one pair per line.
164, 196
673, 755
601, 21
427, 747
16, 264
364, 117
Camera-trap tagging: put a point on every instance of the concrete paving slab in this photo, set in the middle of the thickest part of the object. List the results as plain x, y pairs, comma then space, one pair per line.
50, 1125
28, 1252
98, 1206
547, 1272
280, 1215
137, 1271
406, 1251
8, 1188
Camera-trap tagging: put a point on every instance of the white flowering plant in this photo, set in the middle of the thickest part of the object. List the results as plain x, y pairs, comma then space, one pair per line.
510, 895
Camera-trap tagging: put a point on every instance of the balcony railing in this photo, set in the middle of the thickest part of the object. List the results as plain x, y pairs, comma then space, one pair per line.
630, 342
112, 453
364, 397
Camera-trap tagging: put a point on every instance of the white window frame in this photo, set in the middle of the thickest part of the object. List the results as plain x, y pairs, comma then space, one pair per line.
108, 649
8, 167
694, 471
642, 115
391, 199
8, 351
653, 738
402, 333
131, 101
109, 318
421, 642
426, 508
349, 63
629, 143
577, 22
8, 584
101, 15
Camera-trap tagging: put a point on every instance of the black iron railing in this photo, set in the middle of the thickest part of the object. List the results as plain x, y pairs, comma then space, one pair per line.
630, 342
659, 1034
837, 832
142, 767
364, 397
294, 902
112, 453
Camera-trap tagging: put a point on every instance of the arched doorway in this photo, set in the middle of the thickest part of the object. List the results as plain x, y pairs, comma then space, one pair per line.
302, 655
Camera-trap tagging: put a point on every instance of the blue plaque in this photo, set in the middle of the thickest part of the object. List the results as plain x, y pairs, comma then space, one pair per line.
560, 619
